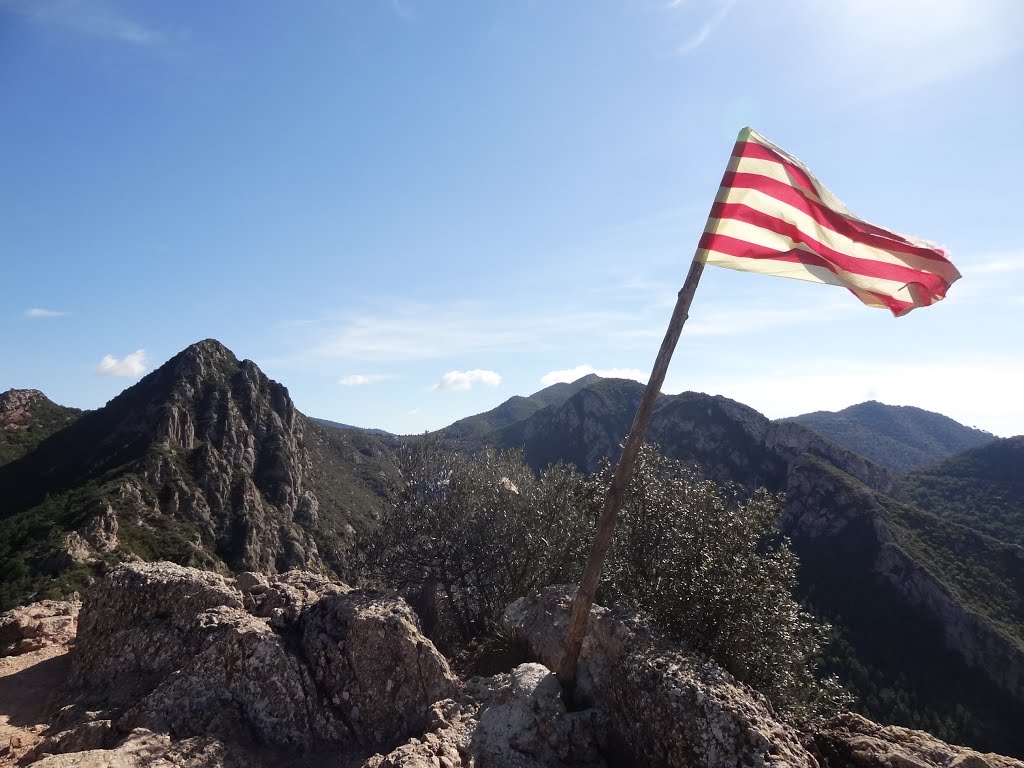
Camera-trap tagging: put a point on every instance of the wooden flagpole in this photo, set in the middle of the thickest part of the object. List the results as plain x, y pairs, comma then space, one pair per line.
613, 499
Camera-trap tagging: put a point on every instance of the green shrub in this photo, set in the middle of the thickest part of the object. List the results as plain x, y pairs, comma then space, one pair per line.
468, 534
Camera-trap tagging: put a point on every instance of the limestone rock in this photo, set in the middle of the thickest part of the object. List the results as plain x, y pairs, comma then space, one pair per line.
856, 742
101, 531
670, 708
292, 661
383, 675
16, 407
27, 628
514, 720
140, 623
145, 749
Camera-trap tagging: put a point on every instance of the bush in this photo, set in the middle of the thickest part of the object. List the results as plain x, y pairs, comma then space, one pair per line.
467, 534
707, 563
470, 533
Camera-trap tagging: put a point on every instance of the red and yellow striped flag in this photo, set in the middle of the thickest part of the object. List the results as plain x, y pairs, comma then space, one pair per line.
772, 216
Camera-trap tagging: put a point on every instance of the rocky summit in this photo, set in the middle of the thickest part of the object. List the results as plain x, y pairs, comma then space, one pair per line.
173, 666
205, 461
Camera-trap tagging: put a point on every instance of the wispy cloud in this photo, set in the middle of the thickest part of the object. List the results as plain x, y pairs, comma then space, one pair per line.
462, 380
420, 332
88, 18
706, 29
359, 379
996, 264
750, 319
134, 364
40, 312
567, 375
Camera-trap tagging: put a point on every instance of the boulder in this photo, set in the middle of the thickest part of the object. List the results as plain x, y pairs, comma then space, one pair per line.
382, 673
512, 720
311, 665
853, 741
28, 628
663, 707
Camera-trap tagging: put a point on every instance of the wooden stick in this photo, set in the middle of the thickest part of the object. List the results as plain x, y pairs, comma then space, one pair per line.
613, 499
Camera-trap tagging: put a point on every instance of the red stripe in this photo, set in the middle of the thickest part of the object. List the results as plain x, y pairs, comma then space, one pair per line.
854, 229
851, 264
896, 306
756, 151
821, 257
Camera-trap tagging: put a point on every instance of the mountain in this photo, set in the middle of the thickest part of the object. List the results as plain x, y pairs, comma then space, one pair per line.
982, 488
899, 437
204, 461
475, 431
929, 614
27, 417
339, 425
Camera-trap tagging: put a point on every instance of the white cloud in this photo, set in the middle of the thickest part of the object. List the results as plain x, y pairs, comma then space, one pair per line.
130, 365
88, 18
706, 29
358, 379
40, 312
461, 380
568, 375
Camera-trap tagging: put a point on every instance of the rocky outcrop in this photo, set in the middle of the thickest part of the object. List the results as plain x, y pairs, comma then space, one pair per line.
17, 407
230, 459
665, 707
293, 662
179, 667
512, 720
853, 741
28, 628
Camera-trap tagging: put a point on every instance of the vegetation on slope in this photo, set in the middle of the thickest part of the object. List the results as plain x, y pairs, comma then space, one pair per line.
45, 419
982, 488
898, 437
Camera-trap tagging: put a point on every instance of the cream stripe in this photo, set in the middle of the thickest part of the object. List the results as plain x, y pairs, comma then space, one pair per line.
770, 169
767, 204
829, 199
773, 241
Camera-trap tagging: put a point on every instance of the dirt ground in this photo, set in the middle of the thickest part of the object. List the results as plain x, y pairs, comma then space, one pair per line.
28, 684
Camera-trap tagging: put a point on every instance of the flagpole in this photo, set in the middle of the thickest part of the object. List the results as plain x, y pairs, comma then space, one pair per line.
613, 498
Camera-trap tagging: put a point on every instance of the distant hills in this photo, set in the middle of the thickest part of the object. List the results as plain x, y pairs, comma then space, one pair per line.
982, 488
899, 437
206, 461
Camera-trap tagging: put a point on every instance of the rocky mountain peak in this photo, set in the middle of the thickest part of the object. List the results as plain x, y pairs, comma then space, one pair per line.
17, 406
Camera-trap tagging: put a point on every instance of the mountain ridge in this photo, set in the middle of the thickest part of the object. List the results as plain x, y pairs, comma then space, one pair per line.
899, 437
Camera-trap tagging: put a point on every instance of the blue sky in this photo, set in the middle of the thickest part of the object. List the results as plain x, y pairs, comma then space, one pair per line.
409, 211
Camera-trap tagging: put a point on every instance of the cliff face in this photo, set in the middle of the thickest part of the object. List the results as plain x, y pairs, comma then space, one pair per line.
927, 606
229, 456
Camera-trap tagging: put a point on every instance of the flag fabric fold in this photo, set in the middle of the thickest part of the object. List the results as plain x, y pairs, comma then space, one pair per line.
772, 216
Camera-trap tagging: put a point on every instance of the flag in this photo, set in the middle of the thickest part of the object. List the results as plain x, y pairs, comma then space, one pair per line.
772, 216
